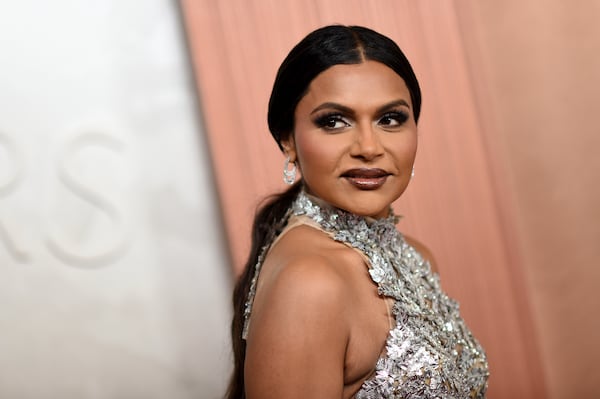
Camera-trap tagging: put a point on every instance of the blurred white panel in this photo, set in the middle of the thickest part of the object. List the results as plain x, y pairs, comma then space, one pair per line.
114, 277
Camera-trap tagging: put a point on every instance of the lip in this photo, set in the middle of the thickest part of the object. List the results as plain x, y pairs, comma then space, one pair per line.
366, 178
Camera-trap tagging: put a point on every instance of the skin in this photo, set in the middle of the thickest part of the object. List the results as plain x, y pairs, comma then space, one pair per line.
365, 107
318, 325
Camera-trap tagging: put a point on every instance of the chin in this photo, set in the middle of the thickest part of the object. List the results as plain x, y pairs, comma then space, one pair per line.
369, 210
368, 203
376, 206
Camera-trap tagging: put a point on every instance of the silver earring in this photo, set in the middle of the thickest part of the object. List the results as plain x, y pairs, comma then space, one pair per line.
289, 175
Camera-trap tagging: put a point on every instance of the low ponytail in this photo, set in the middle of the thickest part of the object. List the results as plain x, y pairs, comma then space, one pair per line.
268, 223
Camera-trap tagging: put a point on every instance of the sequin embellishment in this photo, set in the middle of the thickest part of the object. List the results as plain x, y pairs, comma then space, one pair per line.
430, 353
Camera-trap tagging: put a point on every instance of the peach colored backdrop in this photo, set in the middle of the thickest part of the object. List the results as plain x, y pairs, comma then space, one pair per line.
537, 67
484, 197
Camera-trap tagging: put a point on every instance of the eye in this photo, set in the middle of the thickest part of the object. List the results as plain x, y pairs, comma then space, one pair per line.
393, 118
331, 122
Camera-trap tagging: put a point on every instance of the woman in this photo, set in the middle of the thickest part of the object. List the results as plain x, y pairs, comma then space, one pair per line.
334, 302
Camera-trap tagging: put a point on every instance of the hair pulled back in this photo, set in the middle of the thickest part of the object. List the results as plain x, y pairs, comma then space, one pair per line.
318, 51
322, 49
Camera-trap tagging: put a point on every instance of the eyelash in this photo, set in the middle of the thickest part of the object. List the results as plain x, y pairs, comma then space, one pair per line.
324, 121
399, 116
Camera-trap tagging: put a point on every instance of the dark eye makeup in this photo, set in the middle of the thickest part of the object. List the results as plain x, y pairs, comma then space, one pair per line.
335, 120
331, 121
393, 118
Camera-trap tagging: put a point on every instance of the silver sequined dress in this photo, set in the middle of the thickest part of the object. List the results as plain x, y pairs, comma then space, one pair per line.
430, 353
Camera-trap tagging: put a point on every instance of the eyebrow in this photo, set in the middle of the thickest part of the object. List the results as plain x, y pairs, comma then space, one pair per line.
348, 110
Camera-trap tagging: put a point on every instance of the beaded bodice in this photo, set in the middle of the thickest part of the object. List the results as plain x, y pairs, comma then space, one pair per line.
430, 353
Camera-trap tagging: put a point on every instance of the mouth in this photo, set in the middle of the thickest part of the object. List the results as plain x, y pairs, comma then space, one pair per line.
366, 178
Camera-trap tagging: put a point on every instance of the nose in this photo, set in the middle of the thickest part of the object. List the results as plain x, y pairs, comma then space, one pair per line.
367, 144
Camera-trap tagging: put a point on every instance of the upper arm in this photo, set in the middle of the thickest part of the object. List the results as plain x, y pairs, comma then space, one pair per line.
298, 336
424, 251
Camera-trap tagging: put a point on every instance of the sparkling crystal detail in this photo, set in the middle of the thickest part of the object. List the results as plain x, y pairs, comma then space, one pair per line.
430, 353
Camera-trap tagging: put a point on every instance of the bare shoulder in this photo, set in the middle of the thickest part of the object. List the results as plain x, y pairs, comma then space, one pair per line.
305, 264
423, 250
299, 328
311, 274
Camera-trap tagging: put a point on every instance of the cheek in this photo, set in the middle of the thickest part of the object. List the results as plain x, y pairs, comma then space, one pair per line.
412, 149
404, 151
413, 143
313, 153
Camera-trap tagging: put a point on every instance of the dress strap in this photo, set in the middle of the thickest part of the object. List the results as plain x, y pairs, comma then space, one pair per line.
294, 221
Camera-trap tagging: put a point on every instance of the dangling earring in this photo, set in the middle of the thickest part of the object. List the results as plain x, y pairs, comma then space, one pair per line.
289, 175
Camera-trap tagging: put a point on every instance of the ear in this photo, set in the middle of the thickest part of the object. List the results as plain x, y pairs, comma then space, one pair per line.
289, 148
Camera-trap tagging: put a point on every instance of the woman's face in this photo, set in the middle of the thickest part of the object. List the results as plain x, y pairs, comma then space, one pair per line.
355, 137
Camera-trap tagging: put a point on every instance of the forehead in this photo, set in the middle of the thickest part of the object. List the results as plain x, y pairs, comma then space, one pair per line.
357, 84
